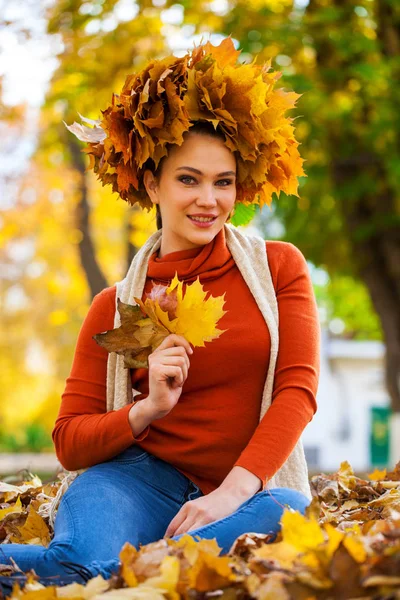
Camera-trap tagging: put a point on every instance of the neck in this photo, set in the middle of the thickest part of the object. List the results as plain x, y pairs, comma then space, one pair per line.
170, 245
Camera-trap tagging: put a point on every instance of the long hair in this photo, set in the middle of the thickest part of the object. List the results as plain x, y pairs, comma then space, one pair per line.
158, 217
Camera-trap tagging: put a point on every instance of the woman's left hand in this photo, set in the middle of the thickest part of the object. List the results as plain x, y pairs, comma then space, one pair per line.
201, 511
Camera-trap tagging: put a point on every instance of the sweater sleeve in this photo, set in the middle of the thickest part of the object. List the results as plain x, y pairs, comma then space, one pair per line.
86, 434
297, 368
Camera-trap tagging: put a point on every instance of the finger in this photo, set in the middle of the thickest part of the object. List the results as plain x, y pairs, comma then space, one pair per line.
176, 354
169, 371
178, 519
176, 361
176, 340
185, 527
171, 350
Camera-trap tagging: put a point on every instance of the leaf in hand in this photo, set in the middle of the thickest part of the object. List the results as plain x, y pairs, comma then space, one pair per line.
136, 338
196, 317
167, 301
165, 310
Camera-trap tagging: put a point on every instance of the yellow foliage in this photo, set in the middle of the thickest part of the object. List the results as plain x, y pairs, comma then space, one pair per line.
206, 84
167, 311
58, 318
276, 6
34, 530
14, 508
196, 316
301, 533
281, 552
355, 547
168, 578
311, 559
127, 556
377, 475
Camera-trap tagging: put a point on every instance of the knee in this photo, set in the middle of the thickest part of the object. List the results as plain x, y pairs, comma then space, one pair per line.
290, 498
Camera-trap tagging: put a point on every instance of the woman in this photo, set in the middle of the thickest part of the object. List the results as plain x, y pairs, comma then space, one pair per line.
191, 453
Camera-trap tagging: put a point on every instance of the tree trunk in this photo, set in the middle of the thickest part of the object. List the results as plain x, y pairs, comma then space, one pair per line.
372, 221
93, 272
374, 233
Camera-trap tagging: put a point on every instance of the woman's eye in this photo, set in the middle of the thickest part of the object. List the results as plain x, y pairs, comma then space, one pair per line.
188, 180
184, 179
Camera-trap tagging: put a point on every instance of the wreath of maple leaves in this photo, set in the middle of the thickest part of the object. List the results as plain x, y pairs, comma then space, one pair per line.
158, 105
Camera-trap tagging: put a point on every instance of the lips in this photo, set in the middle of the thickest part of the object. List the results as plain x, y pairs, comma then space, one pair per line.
202, 219
210, 217
200, 223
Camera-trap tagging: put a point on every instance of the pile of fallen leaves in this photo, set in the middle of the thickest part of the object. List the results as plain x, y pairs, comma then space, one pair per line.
346, 546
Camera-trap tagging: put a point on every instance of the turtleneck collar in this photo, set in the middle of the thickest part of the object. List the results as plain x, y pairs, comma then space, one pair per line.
209, 262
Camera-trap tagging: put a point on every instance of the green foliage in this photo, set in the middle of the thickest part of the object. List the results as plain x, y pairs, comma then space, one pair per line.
32, 438
341, 56
346, 299
244, 213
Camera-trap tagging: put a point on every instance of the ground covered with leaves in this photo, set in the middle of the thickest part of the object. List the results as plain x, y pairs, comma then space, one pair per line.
347, 546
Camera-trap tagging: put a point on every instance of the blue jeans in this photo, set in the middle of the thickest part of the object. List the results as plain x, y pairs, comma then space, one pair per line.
133, 498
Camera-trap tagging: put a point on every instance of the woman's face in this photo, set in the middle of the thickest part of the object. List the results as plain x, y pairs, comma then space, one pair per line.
197, 179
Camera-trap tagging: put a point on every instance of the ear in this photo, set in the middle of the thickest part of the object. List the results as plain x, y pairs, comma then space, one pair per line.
150, 183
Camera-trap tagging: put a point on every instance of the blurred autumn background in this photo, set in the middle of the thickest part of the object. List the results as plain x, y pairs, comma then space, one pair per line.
63, 237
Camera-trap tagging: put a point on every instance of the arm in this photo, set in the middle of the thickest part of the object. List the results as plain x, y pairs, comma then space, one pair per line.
297, 369
140, 417
84, 433
241, 483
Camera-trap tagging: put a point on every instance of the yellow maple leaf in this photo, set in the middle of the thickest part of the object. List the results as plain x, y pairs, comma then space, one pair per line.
127, 557
192, 548
355, 548
302, 533
334, 539
165, 310
14, 508
168, 577
301, 537
210, 572
345, 476
377, 475
196, 316
34, 530
281, 552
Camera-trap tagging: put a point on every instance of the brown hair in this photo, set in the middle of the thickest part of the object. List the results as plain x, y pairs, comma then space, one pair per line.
200, 127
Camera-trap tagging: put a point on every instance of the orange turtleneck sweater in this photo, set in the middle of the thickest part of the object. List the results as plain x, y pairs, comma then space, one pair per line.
215, 424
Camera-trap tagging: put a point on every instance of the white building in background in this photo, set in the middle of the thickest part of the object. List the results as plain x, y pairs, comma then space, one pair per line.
353, 405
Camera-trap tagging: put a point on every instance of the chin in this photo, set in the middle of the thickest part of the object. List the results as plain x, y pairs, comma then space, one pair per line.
203, 237
200, 237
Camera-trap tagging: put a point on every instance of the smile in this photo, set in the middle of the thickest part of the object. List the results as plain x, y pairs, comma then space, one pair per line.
202, 221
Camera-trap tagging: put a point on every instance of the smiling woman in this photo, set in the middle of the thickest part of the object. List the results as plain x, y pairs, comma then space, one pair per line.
193, 189
204, 440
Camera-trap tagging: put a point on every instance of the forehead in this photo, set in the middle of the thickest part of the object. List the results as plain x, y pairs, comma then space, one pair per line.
203, 152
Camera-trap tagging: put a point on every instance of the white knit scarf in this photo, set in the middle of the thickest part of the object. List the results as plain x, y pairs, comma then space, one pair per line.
250, 256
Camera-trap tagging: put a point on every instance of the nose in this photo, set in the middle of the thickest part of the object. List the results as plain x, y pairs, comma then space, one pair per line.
207, 196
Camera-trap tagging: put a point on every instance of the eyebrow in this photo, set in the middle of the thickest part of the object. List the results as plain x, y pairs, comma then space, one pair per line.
223, 174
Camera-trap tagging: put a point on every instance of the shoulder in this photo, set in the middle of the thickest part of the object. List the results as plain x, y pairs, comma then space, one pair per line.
99, 318
286, 262
279, 251
104, 300
102, 309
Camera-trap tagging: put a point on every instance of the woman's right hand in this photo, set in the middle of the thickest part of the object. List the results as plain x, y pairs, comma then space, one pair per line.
168, 369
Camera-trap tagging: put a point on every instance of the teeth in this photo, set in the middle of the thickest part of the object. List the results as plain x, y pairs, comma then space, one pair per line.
203, 219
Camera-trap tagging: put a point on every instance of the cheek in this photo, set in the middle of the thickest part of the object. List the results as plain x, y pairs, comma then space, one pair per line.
175, 198
183, 198
229, 201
